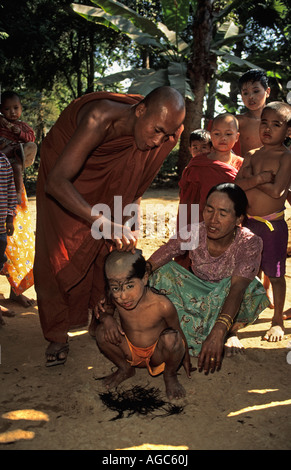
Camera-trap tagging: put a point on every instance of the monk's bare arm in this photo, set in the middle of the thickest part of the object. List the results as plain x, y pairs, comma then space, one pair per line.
90, 132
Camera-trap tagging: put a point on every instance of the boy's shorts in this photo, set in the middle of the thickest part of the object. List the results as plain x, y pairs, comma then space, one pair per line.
274, 254
142, 356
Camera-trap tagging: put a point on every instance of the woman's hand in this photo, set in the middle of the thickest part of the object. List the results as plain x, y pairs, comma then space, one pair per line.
210, 356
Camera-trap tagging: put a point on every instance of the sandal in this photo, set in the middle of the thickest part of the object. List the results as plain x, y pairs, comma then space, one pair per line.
55, 350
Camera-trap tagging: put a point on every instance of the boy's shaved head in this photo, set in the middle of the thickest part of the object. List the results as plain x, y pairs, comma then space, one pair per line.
119, 262
226, 117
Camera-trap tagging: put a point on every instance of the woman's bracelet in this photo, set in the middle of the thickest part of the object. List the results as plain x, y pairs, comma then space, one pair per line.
225, 319
223, 315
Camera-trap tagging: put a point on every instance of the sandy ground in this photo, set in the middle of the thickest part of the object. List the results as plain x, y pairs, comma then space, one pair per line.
246, 406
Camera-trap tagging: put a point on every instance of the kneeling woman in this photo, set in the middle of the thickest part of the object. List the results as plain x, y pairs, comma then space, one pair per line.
220, 293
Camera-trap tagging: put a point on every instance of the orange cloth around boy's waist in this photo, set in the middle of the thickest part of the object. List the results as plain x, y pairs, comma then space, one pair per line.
142, 357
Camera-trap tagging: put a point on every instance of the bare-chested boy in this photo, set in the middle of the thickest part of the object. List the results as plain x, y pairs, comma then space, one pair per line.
265, 176
149, 334
254, 91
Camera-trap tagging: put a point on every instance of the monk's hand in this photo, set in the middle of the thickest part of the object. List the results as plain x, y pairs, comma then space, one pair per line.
123, 238
112, 331
119, 235
210, 356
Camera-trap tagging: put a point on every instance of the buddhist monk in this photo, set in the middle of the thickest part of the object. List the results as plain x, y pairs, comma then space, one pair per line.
103, 145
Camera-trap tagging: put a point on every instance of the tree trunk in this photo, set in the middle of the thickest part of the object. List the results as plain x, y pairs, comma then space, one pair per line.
200, 69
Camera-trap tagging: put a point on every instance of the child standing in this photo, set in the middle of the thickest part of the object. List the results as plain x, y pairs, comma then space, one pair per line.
16, 138
254, 91
149, 333
17, 142
265, 176
8, 202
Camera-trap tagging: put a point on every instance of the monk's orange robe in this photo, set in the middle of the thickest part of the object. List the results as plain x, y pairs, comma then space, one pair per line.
68, 269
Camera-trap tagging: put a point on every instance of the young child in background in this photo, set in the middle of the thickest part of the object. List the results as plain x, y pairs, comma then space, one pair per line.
149, 333
17, 143
254, 91
220, 165
204, 171
199, 142
16, 138
265, 176
8, 202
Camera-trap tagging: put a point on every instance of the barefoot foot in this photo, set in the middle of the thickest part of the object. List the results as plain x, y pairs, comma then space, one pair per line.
174, 389
22, 300
120, 375
6, 312
275, 333
233, 346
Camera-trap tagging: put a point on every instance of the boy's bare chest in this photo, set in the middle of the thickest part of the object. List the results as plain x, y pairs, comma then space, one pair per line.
140, 318
266, 162
249, 130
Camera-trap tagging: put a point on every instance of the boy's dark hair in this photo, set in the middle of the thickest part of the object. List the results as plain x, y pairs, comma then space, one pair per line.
235, 193
138, 267
7, 95
254, 75
282, 108
201, 135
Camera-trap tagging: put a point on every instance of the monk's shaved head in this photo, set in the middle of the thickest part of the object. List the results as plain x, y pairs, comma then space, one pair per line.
120, 262
164, 96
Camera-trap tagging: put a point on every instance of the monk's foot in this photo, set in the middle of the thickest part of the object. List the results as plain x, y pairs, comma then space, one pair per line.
6, 312
274, 334
233, 346
22, 300
174, 389
287, 314
56, 354
120, 375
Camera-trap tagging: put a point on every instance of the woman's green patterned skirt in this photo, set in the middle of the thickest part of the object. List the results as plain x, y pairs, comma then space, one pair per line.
199, 302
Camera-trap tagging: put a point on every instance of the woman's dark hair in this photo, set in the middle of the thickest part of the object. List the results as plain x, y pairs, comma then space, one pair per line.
235, 194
